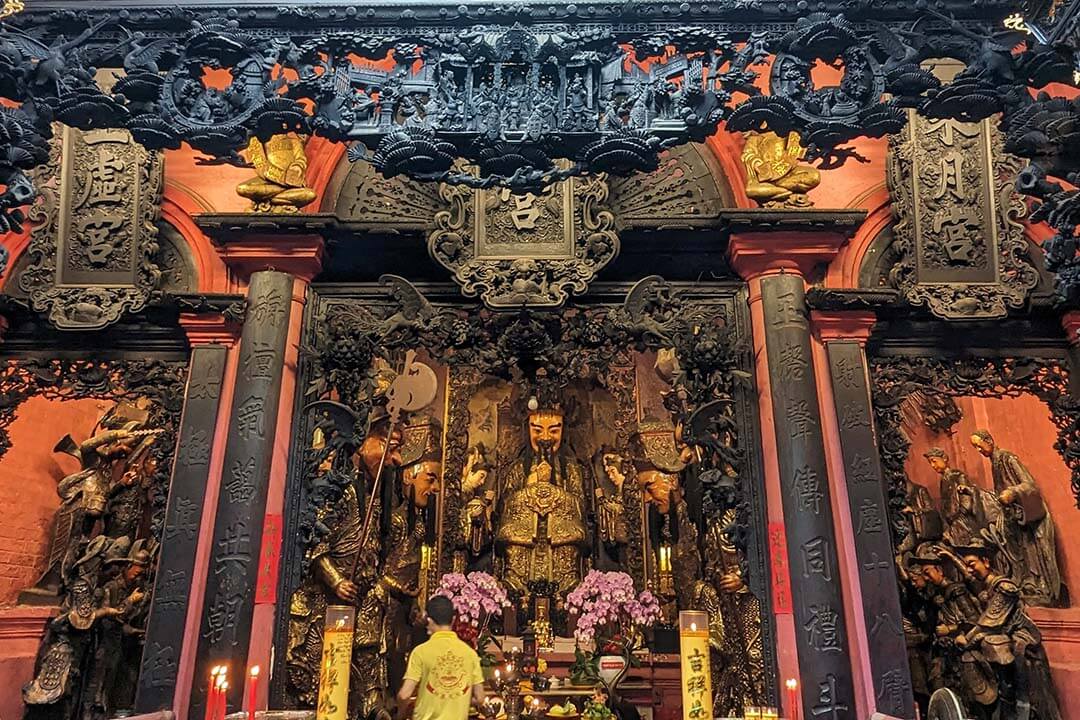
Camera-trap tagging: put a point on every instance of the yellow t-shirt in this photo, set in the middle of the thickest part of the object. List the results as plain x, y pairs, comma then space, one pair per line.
445, 670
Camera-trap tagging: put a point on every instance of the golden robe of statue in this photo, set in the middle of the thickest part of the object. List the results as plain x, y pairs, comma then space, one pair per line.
540, 528
775, 175
280, 182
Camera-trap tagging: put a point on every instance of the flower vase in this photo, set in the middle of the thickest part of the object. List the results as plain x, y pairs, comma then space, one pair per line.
613, 669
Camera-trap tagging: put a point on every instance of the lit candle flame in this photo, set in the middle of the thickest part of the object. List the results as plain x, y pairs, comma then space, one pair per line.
254, 671
792, 683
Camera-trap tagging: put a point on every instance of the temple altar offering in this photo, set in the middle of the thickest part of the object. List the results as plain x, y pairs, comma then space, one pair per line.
334, 674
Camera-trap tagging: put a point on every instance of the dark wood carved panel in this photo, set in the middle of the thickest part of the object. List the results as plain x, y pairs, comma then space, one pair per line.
95, 239
962, 250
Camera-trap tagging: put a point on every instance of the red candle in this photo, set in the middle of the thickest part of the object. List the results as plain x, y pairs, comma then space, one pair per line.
211, 692
793, 697
222, 700
253, 683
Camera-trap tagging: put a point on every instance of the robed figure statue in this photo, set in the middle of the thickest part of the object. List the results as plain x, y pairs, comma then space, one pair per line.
540, 518
1027, 528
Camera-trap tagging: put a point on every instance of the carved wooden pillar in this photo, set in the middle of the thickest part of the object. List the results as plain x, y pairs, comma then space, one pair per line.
183, 521
294, 246
812, 634
229, 601
863, 510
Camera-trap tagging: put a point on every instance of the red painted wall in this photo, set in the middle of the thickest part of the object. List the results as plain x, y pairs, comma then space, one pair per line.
29, 473
1022, 425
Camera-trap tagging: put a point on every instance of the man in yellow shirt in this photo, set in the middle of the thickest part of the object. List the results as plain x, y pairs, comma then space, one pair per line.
444, 672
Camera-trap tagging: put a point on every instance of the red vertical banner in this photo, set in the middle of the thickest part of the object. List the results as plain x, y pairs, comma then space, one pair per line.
781, 580
269, 559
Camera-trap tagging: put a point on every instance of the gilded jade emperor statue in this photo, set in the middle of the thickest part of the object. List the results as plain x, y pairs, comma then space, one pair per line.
540, 525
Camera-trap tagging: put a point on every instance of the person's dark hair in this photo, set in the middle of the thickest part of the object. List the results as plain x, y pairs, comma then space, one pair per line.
440, 610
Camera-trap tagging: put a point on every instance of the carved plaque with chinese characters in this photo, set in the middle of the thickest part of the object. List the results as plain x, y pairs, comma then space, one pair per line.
962, 248
95, 237
526, 250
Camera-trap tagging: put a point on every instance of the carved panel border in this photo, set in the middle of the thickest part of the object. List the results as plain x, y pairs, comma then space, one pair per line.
895, 378
962, 248
95, 234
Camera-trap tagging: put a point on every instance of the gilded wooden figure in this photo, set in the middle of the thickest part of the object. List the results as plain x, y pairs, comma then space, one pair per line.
541, 527
280, 182
775, 173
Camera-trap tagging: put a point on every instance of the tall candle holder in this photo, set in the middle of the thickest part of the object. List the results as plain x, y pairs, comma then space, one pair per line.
507, 684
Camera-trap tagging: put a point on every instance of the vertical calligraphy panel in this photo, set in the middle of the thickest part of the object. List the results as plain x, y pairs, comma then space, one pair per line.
821, 635
187, 491
234, 564
869, 518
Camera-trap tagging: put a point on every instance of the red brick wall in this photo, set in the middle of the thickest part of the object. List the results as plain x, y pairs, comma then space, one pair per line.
29, 473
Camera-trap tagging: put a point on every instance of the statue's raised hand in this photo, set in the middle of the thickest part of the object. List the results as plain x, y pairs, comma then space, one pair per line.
347, 591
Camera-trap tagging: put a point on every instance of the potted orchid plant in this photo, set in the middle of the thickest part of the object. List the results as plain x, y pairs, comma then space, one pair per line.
611, 615
478, 599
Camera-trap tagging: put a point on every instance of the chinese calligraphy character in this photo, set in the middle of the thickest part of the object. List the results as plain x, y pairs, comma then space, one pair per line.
249, 418
221, 618
206, 385
172, 591
107, 177
876, 563
259, 361
791, 363
697, 661
184, 519
870, 518
815, 554
195, 451
525, 212
823, 629
234, 548
844, 373
798, 414
160, 664
884, 621
697, 711
788, 311
241, 483
894, 688
861, 469
952, 175
267, 309
960, 226
853, 416
807, 488
829, 704
695, 685
98, 232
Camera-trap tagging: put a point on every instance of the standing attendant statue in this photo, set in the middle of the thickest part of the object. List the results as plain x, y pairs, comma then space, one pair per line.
1027, 533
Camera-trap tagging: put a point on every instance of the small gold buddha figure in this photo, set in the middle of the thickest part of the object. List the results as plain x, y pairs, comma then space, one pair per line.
280, 182
775, 177
540, 528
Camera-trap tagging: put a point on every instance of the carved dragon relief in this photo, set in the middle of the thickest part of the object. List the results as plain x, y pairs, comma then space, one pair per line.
95, 235
962, 249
